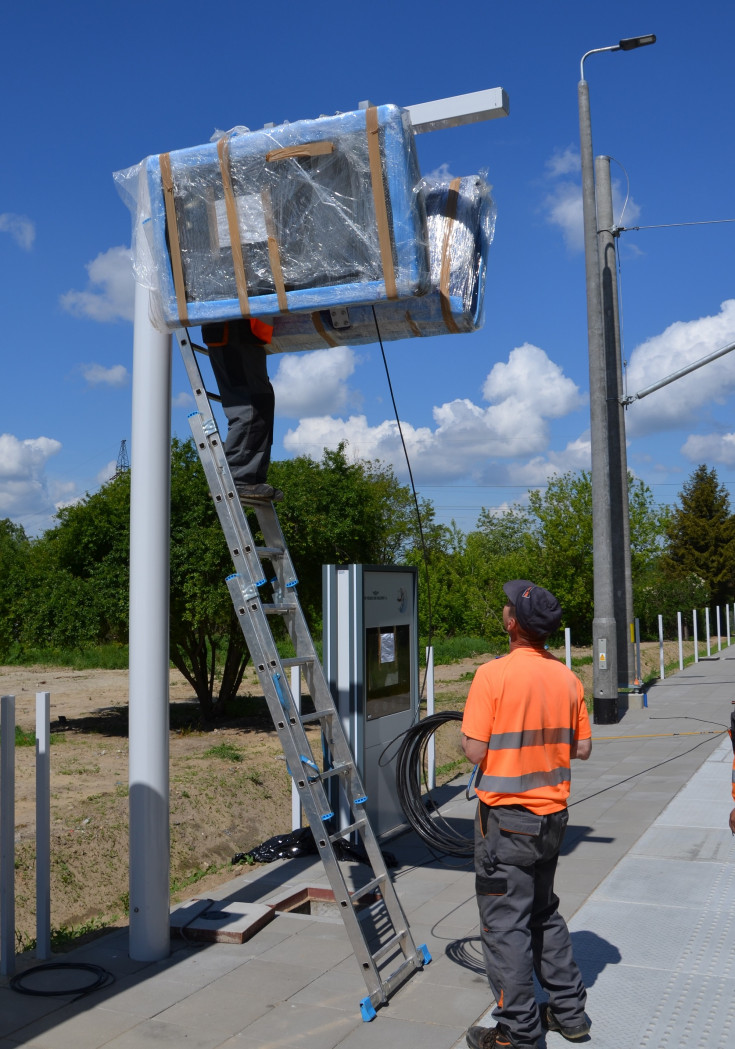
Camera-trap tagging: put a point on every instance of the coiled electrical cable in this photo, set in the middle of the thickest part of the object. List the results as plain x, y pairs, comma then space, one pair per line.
420, 810
101, 979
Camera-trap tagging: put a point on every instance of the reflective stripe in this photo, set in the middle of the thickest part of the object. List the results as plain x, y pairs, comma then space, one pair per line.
534, 737
521, 784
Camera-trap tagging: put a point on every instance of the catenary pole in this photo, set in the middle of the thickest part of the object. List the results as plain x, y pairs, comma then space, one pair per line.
604, 635
150, 482
619, 507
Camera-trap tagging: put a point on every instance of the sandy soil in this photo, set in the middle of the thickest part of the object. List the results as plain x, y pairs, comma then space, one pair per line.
229, 786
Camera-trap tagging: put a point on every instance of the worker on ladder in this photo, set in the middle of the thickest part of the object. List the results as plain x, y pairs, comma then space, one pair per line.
237, 352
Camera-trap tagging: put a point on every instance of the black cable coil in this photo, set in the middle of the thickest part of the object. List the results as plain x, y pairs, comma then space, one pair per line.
421, 811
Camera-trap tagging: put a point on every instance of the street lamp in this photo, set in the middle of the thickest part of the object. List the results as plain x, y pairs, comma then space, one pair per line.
604, 639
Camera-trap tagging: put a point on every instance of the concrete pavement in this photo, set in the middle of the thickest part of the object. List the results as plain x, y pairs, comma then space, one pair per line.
646, 880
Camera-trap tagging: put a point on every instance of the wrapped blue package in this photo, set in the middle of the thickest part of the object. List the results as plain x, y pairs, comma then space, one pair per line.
303, 216
461, 225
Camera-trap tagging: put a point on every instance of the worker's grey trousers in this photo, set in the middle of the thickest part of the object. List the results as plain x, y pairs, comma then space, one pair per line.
516, 854
248, 402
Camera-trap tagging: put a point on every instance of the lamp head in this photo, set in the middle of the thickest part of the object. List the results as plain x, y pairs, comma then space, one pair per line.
632, 42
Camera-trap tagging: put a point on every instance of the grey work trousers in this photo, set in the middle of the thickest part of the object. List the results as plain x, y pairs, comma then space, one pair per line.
516, 853
249, 405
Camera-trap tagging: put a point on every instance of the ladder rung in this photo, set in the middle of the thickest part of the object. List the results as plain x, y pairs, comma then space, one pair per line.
388, 948
297, 661
277, 610
269, 551
317, 716
335, 771
348, 830
368, 889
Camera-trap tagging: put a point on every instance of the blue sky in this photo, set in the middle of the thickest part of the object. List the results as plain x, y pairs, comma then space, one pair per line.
89, 89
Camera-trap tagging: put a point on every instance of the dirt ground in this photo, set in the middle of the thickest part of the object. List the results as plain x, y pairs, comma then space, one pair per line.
230, 789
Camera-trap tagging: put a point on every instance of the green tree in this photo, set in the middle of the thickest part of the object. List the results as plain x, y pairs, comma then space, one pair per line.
701, 536
14, 550
341, 511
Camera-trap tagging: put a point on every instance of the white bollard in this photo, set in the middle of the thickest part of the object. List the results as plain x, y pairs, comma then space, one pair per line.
296, 822
661, 645
568, 646
719, 639
727, 621
637, 626
43, 825
681, 646
696, 642
7, 835
706, 627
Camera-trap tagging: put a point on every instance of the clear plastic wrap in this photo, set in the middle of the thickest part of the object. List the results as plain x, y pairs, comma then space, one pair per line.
303, 216
461, 226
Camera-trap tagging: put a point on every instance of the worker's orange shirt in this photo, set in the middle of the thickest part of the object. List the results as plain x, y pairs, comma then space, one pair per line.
530, 708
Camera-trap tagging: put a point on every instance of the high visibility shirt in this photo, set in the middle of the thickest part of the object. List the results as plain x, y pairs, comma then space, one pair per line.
530, 708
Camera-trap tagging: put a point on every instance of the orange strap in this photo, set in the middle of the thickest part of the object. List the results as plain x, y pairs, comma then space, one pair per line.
306, 149
261, 330
452, 203
238, 264
274, 256
177, 267
381, 205
321, 330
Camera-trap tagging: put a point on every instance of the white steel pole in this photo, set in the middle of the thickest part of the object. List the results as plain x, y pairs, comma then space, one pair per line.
696, 641
637, 624
7, 835
717, 620
431, 749
568, 646
43, 825
661, 645
681, 647
727, 623
150, 477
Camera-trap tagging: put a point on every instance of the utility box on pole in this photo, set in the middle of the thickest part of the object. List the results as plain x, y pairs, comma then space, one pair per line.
371, 664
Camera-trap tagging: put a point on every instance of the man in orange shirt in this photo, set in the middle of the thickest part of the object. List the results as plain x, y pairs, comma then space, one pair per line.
524, 720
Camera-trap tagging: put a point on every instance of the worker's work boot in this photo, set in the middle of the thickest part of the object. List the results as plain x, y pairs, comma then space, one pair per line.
572, 1033
258, 493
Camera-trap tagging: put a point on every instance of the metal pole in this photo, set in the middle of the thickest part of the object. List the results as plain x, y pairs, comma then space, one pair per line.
7, 835
568, 646
150, 478
43, 825
681, 647
727, 622
638, 677
696, 644
604, 635
431, 749
619, 510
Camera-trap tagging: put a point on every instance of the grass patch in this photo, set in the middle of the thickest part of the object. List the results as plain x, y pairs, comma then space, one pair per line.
455, 649
27, 738
224, 751
96, 657
582, 661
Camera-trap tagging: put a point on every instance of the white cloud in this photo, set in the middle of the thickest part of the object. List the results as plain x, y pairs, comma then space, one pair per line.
563, 202
24, 490
111, 291
107, 472
679, 345
564, 162
710, 448
20, 227
525, 393
184, 400
97, 375
314, 383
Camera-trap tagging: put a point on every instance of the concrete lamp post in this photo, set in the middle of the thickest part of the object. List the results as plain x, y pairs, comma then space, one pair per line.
604, 638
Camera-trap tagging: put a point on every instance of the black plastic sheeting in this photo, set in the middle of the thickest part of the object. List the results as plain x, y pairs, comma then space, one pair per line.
301, 843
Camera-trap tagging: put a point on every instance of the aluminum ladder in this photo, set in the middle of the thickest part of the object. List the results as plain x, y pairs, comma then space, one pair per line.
379, 934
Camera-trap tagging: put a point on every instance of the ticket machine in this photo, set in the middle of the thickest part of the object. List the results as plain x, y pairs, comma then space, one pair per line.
371, 664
